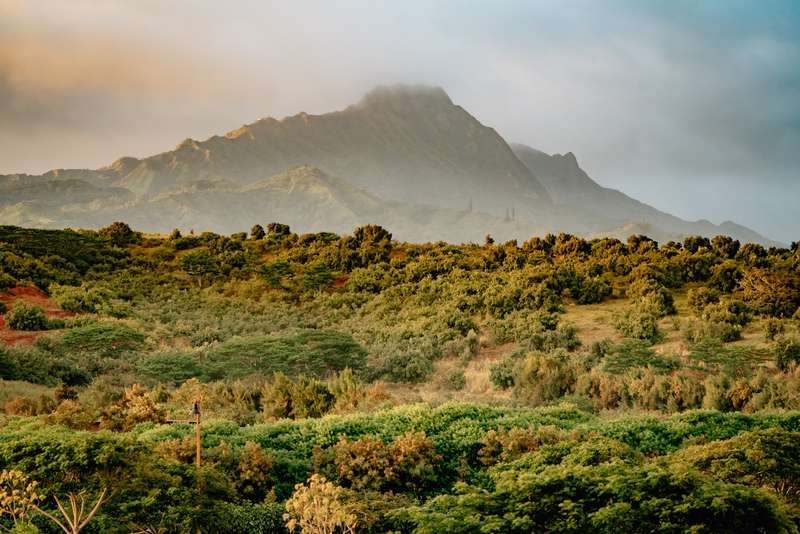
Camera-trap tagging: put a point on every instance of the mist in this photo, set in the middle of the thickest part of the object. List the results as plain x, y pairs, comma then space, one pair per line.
691, 107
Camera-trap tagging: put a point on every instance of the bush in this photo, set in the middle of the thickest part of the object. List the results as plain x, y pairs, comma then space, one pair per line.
457, 380
701, 297
594, 290
87, 298
773, 328
543, 377
28, 317
639, 321
412, 367
6, 281
722, 320
120, 234
565, 336
3, 307
502, 374
787, 351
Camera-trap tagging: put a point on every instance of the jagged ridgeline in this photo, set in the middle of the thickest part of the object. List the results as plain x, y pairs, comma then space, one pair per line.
404, 157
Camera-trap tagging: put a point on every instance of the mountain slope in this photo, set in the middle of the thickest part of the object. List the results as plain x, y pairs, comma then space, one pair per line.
407, 144
567, 183
306, 198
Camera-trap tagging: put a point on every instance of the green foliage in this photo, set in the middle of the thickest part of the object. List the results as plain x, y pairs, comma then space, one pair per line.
787, 351
24, 316
761, 459
598, 486
457, 380
772, 328
185, 242
412, 367
503, 374
198, 263
701, 297
102, 338
565, 336
317, 277
120, 234
285, 328
770, 293
541, 378
264, 518
640, 321
723, 320
632, 353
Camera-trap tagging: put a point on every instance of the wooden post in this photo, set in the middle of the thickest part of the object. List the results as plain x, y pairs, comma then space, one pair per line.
196, 412
198, 427
198, 439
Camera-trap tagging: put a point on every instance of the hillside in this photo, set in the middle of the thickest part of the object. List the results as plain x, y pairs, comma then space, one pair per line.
306, 198
451, 381
567, 183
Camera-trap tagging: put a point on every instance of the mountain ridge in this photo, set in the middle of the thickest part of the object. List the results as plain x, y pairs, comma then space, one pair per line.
409, 144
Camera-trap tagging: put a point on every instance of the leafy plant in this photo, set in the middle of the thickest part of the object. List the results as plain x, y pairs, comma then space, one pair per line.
24, 316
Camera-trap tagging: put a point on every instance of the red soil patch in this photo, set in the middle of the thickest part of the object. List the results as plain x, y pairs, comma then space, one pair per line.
29, 295
340, 281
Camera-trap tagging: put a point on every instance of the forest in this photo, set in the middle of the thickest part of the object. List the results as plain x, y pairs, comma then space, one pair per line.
357, 384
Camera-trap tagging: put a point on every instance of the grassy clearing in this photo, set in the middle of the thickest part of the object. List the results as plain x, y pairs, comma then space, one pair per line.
18, 388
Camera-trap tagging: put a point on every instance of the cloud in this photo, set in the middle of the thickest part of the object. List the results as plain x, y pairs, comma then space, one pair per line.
653, 98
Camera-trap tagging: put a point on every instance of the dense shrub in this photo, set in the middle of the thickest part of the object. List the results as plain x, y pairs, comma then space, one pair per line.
25, 316
640, 321
787, 351
412, 367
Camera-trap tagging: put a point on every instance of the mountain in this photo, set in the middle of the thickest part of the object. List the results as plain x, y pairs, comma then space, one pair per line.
567, 183
409, 145
306, 198
406, 143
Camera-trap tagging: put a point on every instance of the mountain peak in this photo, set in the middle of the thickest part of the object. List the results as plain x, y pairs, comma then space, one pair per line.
402, 96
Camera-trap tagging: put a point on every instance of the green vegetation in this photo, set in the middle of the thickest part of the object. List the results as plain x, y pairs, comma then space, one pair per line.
571, 386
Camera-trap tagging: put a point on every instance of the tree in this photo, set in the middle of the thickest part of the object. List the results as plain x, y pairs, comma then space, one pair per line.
767, 459
18, 496
317, 277
694, 244
176, 234
198, 263
257, 232
725, 247
120, 234
169, 496
79, 472
278, 230
134, 408
597, 485
319, 508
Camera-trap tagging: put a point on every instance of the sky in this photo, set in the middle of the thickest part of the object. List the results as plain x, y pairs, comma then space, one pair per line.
690, 106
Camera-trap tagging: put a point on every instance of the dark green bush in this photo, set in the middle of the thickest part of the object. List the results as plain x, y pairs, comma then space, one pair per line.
411, 367
787, 351
565, 336
457, 380
25, 316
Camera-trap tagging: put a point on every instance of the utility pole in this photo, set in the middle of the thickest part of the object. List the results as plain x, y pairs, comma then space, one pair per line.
196, 411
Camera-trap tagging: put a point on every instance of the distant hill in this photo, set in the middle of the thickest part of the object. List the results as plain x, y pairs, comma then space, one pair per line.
404, 146
306, 198
567, 183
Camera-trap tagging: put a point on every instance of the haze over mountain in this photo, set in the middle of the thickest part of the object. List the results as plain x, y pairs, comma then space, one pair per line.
398, 148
